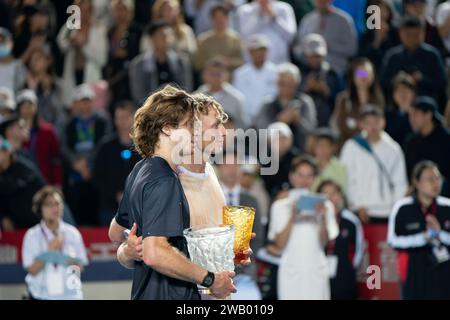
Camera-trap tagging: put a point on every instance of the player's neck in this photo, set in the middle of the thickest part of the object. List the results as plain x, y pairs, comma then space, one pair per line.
196, 168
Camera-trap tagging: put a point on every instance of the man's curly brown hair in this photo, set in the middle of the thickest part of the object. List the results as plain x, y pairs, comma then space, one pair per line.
169, 106
206, 103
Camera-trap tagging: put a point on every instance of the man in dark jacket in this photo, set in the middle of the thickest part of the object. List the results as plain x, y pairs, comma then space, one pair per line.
19, 181
421, 60
113, 162
430, 141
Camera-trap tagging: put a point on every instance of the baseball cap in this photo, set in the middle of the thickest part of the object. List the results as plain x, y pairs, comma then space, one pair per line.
7, 122
371, 110
428, 104
258, 41
281, 128
83, 91
314, 44
27, 95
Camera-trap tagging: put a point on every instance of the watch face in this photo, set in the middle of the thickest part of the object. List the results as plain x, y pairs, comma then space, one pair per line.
209, 279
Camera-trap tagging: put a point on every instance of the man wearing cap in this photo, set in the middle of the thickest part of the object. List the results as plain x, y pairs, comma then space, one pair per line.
275, 19
430, 141
257, 79
7, 103
220, 41
321, 81
19, 181
338, 30
12, 71
82, 134
376, 169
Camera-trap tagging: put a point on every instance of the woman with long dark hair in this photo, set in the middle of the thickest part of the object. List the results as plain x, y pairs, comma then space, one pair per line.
362, 89
419, 229
41, 78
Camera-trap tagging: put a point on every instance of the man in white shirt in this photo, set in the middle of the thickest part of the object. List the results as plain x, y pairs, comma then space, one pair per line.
257, 79
375, 167
273, 18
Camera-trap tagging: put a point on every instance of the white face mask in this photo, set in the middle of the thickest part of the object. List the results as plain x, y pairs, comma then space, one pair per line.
5, 50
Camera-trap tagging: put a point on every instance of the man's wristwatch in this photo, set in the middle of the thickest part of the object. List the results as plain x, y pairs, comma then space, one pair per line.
208, 280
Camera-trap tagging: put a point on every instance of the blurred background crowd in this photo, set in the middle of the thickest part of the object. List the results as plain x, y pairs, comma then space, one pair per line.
310, 69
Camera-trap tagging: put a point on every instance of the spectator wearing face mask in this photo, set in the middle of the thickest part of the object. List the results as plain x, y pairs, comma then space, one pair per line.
12, 71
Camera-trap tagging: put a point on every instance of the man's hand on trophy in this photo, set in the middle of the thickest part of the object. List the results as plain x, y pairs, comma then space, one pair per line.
248, 253
223, 284
133, 248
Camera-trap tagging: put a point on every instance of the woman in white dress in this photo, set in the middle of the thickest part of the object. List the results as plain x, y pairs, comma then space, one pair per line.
303, 273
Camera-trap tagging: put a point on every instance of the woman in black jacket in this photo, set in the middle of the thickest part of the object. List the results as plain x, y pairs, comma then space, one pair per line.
419, 229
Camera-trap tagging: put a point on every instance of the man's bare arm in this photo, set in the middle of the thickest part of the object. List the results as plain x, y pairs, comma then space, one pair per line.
115, 231
162, 257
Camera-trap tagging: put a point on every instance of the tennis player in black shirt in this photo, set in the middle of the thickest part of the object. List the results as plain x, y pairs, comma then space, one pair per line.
154, 200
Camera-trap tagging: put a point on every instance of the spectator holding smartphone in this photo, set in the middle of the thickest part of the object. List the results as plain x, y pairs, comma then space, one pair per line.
48, 280
303, 271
